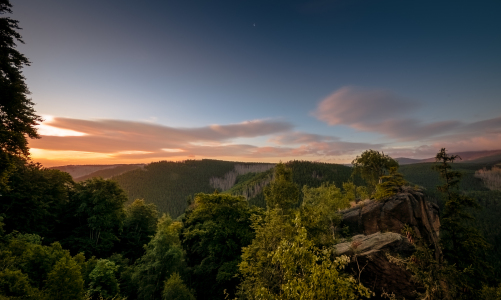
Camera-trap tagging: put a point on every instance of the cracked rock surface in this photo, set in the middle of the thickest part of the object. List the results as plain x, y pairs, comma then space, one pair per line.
377, 228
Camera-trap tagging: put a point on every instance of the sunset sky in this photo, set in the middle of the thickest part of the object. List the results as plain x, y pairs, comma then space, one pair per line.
142, 81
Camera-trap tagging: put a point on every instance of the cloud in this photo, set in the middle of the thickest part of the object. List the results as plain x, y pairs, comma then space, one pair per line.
351, 106
300, 138
117, 140
379, 111
319, 145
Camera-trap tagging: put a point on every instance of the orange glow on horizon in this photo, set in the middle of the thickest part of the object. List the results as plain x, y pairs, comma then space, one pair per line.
52, 158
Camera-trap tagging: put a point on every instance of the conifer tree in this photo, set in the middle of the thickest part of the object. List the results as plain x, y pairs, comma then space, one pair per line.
17, 116
462, 245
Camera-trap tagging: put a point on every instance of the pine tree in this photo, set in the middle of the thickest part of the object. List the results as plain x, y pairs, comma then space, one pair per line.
462, 245
17, 116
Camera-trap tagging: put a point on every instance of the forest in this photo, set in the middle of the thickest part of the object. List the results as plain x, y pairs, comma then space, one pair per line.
226, 230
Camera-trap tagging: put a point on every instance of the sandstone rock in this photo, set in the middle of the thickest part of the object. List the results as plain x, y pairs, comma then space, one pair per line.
371, 266
377, 226
390, 215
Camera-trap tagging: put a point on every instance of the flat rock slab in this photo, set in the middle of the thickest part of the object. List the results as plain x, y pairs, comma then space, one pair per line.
391, 215
369, 262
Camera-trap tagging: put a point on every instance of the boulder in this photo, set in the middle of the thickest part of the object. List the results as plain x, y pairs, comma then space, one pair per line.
377, 229
409, 207
370, 264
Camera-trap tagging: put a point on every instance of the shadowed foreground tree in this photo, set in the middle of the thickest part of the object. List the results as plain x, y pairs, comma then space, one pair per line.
215, 231
17, 116
462, 244
98, 206
163, 257
139, 227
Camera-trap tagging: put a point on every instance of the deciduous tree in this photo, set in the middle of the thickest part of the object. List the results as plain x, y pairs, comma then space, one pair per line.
213, 235
371, 165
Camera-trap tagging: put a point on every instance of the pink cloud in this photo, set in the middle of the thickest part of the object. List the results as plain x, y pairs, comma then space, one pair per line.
387, 113
126, 140
351, 106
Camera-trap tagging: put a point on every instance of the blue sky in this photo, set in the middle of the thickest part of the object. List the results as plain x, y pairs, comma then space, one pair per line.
261, 80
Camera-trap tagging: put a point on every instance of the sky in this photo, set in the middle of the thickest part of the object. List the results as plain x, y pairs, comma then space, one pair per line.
137, 82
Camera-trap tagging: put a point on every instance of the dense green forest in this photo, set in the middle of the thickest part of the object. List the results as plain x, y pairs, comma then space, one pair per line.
169, 184
112, 239
108, 172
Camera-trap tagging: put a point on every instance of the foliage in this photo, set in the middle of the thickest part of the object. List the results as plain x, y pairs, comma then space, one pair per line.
319, 211
372, 165
13, 283
163, 257
215, 230
175, 289
282, 192
99, 216
36, 199
390, 184
293, 268
17, 116
167, 184
103, 282
65, 281
139, 227
491, 293
256, 266
33, 271
462, 245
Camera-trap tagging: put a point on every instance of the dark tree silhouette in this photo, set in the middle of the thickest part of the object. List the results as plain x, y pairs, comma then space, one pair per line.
17, 116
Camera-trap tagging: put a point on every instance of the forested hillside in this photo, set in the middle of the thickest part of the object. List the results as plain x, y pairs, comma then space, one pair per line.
169, 184
109, 172
308, 173
81, 170
488, 216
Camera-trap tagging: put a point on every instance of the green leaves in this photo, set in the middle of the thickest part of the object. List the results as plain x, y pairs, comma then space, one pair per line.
139, 227
281, 192
65, 281
103, 283
100, 212
282, 263
371, 165
175, 289
163, 257
214, 232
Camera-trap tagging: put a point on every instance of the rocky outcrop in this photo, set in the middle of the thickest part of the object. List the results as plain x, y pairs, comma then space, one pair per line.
370, 264
391, 215
377, 229
229, 179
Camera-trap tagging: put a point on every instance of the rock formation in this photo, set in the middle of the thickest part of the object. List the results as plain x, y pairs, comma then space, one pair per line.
370, 265
377, 226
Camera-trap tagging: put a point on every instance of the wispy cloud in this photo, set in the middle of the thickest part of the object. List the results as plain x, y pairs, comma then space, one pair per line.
292, 138
384, 112
355, 106
127, 140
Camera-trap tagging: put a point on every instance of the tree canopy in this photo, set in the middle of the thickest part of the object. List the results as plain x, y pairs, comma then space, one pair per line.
372, 165
17, 115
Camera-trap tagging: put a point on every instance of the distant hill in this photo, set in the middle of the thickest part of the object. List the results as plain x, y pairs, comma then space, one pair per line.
170, 184
312, 174
407, 161
81, 170
469, 156
109, 172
